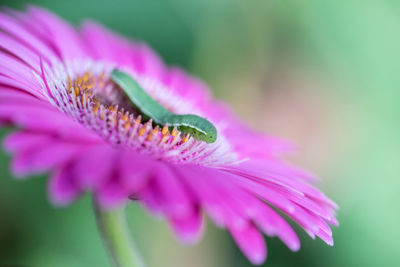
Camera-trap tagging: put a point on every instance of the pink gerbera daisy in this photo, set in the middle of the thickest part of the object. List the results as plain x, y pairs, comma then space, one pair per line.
72, 121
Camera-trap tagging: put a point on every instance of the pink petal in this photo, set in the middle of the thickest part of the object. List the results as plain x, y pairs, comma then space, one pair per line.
251, 243
14, 28
41, 159
145, 61
273, 224
94, 166
19, 141
16, 48
61, 34
212, 195
17, 85
105, 45
176, 199
189, 229
62, 187
13, 68
187, 86
44, 118
111, 195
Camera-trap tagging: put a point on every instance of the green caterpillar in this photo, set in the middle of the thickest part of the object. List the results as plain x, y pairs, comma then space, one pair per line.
198, 127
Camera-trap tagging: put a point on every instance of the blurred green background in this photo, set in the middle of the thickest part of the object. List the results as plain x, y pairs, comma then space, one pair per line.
323, 73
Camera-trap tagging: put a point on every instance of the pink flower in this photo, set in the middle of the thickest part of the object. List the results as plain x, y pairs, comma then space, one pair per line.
73, 122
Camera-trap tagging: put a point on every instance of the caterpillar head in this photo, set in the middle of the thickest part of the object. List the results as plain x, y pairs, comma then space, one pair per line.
198, 127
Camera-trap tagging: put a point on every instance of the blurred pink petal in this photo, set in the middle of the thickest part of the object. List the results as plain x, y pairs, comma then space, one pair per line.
251, 242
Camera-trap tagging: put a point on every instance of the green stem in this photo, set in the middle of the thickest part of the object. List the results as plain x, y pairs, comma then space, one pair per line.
116, 236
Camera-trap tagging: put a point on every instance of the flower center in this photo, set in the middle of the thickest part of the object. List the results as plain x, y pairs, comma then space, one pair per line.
108, 100
89, 87
84, 91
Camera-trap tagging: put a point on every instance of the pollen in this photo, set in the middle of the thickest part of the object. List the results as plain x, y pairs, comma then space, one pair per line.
112, 108
101, 79
76, 90
185, 138
138, 119
79, 80
149, 136
69, 84
86, 76
90, 85
165, 130
96, 106
142, 130
174, 132
125, 117
152, 133
127, 125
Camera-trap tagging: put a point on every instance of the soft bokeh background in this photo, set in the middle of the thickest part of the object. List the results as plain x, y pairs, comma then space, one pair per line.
323, 73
